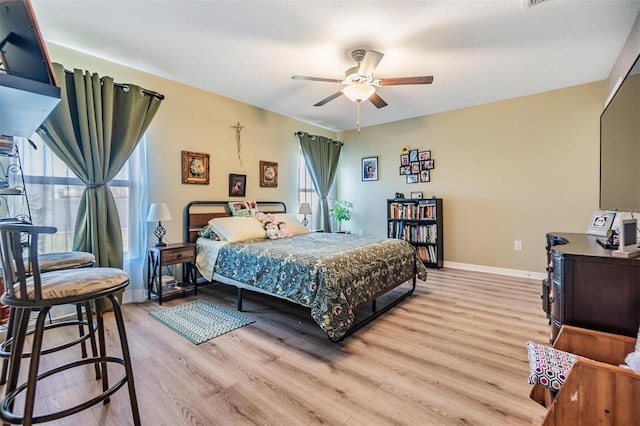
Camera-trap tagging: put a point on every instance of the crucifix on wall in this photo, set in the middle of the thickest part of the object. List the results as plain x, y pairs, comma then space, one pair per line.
238, 128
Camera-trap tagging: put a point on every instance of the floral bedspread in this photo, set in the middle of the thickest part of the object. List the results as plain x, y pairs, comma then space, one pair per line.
330, 273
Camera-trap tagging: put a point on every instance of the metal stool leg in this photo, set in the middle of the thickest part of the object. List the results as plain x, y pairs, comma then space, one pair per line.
21, 324
32, 380
9, 334
92, 331
127, 358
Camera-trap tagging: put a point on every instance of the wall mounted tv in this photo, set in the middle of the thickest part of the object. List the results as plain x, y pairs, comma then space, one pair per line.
620, 146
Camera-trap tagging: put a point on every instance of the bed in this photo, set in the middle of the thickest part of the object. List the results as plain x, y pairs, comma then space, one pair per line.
332, 274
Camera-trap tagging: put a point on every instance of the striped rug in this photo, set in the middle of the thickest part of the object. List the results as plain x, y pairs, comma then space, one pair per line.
200, 320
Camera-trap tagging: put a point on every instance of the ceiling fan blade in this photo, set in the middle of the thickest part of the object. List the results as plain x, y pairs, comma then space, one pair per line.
302, 77
427, 79
370, 62
377, 101
328, 98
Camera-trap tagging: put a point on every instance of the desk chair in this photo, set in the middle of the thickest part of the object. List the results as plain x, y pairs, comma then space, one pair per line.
26, 290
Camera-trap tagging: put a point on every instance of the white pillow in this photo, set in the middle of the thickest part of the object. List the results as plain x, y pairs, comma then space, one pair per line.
293, 225
234, 229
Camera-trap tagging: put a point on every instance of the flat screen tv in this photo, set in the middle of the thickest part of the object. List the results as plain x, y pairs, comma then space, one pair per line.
620, 146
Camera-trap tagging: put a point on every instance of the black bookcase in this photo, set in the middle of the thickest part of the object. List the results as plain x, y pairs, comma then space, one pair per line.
419, 222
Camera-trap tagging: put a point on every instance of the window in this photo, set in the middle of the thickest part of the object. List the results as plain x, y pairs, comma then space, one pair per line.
306, 190
54, 194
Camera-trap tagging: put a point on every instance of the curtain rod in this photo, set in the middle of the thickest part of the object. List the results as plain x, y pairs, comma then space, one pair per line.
300, 133
156, 95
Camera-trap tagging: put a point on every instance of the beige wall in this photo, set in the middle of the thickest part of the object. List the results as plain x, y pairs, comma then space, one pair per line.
510, 170
194, 120
507, 171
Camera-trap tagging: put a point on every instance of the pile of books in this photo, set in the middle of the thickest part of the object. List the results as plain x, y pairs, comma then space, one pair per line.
168, 282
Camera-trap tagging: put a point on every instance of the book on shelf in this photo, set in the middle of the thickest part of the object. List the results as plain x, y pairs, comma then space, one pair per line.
168, 282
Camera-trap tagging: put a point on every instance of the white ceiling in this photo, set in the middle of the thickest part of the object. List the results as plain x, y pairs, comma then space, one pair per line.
478, 51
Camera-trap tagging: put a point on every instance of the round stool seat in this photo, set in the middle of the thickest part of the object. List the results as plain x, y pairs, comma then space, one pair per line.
59, 286
65, 260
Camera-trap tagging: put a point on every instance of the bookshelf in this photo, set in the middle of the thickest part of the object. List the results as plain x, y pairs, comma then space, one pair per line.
419, 222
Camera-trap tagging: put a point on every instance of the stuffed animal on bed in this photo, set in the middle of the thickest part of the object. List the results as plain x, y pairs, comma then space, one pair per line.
273, 233
284, 232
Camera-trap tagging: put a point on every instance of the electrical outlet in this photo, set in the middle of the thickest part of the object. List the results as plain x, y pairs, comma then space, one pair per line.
517, 245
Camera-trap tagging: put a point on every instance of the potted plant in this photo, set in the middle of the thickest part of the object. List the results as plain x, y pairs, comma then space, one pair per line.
341, 212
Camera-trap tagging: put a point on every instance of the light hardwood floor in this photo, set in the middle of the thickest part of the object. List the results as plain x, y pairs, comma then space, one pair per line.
452, 354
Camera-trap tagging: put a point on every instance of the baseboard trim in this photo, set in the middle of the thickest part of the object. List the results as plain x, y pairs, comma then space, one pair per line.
494, 270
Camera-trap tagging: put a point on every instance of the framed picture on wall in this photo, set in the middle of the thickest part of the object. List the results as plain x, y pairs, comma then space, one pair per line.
424, 155
268, 174
412, 178
237, 185
195, 167
369, 168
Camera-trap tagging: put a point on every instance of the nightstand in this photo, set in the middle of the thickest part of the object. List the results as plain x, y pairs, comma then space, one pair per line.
172, 254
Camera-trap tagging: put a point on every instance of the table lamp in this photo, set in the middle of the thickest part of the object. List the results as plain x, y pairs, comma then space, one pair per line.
305, 209
159, 212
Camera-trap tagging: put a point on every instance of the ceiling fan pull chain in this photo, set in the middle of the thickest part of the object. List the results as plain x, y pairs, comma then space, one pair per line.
358, 117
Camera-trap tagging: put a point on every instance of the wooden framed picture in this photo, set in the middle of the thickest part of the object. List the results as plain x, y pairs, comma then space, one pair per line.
425, 176
424, 155
413, 155
237, 185
416, 195
195, 167
369, 168
268, 174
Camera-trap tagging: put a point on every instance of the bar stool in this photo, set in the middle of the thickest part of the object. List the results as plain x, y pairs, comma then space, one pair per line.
49, 262
42, 291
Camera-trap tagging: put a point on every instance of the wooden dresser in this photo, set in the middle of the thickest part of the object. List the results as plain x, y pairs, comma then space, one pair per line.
587, 287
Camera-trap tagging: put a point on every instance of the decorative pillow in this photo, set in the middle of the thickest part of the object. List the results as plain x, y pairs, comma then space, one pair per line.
234, 229
240, 208
252, 205
209, 233
293, 225
549, 366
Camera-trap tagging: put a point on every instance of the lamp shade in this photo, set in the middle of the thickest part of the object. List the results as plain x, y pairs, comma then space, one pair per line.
305, 208
358, 92
158, 212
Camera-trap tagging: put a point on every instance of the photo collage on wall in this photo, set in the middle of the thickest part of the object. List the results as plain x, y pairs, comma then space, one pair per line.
416, 165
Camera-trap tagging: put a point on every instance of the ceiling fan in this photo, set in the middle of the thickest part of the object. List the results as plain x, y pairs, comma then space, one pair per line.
359, 82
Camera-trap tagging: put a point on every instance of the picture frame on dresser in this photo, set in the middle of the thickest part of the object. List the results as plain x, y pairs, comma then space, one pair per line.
601, 223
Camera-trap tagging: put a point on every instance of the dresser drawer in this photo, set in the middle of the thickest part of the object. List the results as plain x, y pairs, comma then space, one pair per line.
168, 257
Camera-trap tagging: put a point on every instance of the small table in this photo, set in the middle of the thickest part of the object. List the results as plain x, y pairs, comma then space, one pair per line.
171, 254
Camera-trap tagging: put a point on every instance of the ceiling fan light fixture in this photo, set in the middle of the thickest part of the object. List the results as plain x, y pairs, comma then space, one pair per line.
358, 92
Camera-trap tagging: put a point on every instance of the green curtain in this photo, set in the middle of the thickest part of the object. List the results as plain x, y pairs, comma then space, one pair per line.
94, 130
321, 156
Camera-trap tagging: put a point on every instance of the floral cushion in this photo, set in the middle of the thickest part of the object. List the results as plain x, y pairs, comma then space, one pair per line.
549, 366
208, 233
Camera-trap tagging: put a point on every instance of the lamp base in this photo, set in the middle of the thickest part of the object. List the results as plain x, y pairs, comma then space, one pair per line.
160, 243
304, 221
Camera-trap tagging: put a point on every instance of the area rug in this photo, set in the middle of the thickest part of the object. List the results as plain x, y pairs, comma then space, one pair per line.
200, 320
